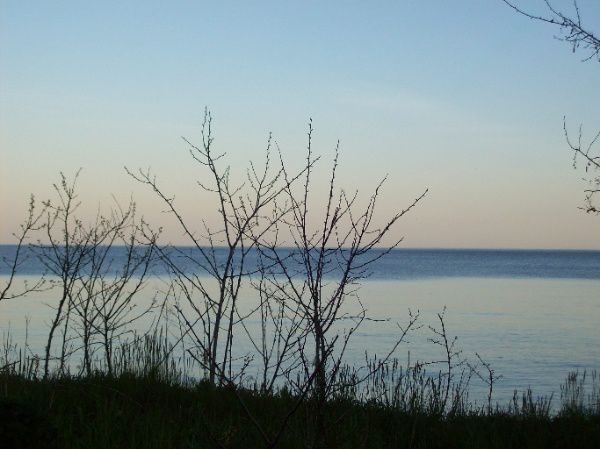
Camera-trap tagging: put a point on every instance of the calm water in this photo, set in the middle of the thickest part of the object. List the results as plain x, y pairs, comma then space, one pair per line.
411, 264
534, 315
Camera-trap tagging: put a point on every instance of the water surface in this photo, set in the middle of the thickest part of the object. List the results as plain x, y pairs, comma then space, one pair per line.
534, 315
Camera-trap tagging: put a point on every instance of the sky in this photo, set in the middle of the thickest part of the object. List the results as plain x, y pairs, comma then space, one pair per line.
465, 99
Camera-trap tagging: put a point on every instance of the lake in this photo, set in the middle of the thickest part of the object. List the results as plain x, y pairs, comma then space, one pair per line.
533, 315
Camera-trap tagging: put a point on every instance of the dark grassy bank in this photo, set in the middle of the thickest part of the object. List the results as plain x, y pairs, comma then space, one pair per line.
146, 411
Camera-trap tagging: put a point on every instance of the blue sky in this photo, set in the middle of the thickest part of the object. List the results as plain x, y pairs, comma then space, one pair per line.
464, 98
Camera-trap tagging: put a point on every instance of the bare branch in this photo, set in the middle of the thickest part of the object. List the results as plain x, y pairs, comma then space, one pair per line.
572, 29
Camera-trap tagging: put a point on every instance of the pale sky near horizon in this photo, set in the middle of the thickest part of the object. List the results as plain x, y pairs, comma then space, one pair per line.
464, 98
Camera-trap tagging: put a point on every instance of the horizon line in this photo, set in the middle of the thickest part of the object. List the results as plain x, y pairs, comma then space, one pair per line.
401, 248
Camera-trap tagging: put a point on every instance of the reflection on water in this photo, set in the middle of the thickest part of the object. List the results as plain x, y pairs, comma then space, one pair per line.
532, 331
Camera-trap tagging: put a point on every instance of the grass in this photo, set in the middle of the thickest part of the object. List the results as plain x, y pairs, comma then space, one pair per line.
145, 412
149, 405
